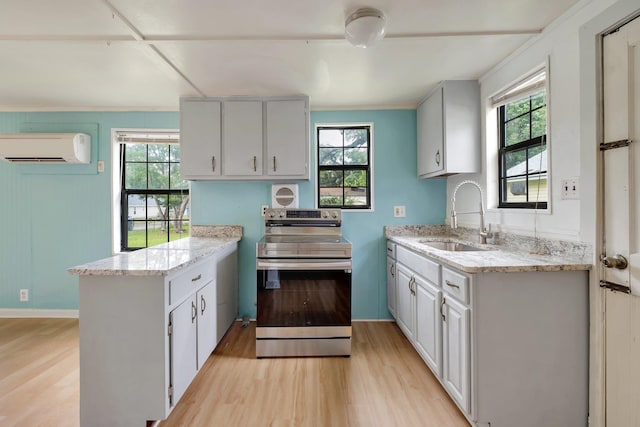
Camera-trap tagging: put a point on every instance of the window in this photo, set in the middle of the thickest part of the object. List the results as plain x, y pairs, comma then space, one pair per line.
344, 167
522, 133
154, 201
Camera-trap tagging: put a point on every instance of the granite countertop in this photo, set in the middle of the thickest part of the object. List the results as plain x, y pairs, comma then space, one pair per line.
161, 260
505, 257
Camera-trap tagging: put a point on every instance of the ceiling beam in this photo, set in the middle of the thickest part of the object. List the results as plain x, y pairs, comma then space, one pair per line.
139, 37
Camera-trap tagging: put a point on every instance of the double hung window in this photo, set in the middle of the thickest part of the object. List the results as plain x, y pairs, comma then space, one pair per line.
154, 200
344, 167
522, 134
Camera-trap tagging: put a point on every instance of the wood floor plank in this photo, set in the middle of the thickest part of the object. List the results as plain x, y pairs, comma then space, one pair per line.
383, 383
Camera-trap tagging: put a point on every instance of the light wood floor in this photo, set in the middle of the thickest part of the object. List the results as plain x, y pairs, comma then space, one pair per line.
383, 383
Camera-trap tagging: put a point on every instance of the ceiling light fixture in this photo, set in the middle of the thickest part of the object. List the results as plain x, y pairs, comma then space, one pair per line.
365, 27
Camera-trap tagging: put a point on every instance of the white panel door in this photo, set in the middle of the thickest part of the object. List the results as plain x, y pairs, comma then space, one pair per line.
428, 331
200, 138
242, 137
621, 79
287, 138
456, 374
183, 342
406, 302
431, 134
206, 304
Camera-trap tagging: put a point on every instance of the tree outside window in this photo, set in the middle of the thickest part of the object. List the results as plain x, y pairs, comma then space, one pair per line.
154, 199
344, 167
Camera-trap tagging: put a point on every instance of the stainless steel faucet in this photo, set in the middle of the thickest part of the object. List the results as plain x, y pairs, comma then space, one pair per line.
484, 233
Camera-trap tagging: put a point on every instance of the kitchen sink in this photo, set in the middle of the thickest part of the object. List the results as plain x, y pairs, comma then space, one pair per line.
451, 246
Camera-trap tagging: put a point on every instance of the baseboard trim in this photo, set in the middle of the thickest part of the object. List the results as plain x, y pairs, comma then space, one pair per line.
37, 313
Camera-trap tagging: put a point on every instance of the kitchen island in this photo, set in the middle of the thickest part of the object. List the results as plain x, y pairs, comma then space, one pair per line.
149, 319
504, 327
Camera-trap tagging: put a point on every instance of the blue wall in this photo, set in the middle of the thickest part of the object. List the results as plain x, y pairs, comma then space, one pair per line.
55, 217
394, 183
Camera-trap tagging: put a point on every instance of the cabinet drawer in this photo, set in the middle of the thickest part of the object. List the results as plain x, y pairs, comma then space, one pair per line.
455, 284
391, 249
190, 280
419, 264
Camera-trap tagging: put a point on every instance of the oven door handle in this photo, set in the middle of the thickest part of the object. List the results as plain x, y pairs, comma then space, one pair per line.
303, 264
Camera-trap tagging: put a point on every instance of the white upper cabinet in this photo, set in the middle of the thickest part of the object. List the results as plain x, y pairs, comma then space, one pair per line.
287, 132
242, 136
245, 138
200, 128
448, 122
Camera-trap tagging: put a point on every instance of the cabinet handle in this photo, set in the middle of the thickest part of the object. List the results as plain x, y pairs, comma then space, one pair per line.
203, 304
393, 270
411, 283
194, 312
255, 164
274, 163
213, 163
444, 319
438, 157
389, 250
453, 285
198, 277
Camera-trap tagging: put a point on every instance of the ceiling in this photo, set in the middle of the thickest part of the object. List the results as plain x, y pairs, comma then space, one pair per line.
145, 54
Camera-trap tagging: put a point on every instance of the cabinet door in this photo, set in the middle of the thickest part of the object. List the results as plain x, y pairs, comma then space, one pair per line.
391, 286
287, 138
206, 305
242, 136
183, 342
406, 301
428, 330
226, 290
199, 138
456, 351
431, 134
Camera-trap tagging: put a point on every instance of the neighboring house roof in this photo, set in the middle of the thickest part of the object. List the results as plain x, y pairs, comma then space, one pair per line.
537, 163
135, 200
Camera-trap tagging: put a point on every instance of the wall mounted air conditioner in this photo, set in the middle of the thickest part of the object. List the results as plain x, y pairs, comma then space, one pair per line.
45, 147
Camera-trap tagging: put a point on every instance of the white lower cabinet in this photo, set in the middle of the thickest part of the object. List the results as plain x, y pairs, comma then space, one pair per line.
455, 350
206, 321
391, 286
428, 331
192, 337
405, 315
144, 338
511, 349
183, 345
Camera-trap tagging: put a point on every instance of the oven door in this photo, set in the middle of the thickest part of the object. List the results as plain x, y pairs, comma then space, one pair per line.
303, 292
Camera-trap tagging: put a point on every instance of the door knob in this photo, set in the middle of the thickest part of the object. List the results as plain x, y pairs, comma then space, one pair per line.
617, 261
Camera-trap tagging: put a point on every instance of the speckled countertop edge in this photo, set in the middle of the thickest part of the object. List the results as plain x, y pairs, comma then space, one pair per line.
511, 253
161, 260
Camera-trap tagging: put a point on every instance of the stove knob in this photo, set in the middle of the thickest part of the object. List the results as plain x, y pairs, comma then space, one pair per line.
335, 215
281, 214
325, 215
272, 214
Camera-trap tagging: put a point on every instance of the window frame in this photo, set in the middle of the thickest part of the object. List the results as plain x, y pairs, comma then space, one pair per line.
368, 168
120, 208
532, 142
531, 83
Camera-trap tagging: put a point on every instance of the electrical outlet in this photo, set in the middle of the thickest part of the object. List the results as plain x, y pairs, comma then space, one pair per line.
24, 295
264, 209
399, 211
570, 189
100, 166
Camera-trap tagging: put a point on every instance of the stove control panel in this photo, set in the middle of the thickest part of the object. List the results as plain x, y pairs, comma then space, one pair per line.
303, 215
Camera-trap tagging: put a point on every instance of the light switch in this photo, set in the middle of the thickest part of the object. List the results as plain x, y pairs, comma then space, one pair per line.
570, 189
399, 211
